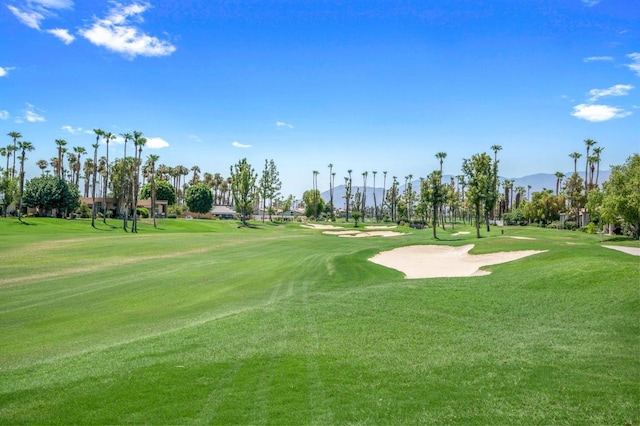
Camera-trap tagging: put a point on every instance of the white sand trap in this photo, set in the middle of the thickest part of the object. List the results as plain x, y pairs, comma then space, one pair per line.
346, 232
521, 238
374, 234
317, 226
430, 261
635, 251
380, 227
460, 233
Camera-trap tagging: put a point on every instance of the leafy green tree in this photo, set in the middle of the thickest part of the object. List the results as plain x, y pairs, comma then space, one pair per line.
543, 208
575, 195
9, 190
164, 191
270, 185
311, 200
622, 195
243, 191
433, 193
199, 198
51, 192
121, 184
356, 213
478, 173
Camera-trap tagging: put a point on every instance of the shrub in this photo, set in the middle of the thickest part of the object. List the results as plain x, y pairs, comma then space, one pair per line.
143, 212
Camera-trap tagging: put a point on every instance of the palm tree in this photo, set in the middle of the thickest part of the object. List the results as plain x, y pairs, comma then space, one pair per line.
87, 168
575, 156
151, 162
597, 151
315, 194
60, 144
42, 164
139, 142
347, 194
384, 190
15, 136
95, 146
196, 177
364, 194
559, 177
80, 151
589, 143
23, 146
5, 153
331, 175
375, 202
495, 149
441, 156
107, 137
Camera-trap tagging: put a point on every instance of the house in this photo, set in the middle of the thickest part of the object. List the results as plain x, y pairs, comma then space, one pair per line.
223, 212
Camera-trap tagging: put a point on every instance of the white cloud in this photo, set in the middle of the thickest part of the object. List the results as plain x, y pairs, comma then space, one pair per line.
4, 114
240, 145
635, 65
62, 34
195, 138
156, 143
597, 113
598, 59
617, 90
72, 130
590, 3
283, 124
33, 12
5, 70
116, 33
30, 18
31, 115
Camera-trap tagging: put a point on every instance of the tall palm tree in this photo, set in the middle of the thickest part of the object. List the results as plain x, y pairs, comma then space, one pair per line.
375, 201
23, 146
331, 176
15, 136
597, 151
384, 190
315, 194
575, 156
364, 194
495, 149
196, 175
42, 164
87, 168
139, 142
588, 143
151, 162
95, 146
60, 143
441, 156
5, 153
107, 137
347, 194
80, 151
559, 177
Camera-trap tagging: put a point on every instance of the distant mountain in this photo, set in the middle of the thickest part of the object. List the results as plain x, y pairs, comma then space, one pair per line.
538, 182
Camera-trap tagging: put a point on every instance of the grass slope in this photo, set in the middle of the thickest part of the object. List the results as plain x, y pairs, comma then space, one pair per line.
205, 322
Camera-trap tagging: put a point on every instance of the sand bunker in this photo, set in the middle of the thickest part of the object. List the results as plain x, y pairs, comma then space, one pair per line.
521, 238
460, 233
316, 226
635, 251
374, 234
430, 261
380, 227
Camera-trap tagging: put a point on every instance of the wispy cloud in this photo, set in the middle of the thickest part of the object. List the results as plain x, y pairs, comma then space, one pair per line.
617, 90
635, 65
31, 115
283, 124
195, 138
30, 18
5, 70
156, 143
62, 34
240, 145
32, 12
590, 3
598, 59
115, 32
4, 114
597, 113
72, 130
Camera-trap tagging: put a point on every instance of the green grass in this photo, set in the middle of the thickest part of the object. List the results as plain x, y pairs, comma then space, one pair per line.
204, 322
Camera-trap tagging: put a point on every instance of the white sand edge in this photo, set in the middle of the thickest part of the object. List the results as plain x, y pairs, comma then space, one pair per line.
635, 251
431, 261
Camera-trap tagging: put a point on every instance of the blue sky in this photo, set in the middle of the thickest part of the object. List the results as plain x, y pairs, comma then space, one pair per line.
364, 85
